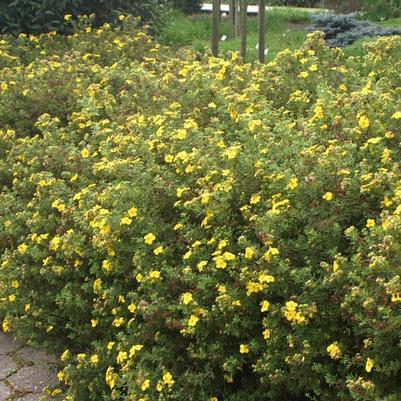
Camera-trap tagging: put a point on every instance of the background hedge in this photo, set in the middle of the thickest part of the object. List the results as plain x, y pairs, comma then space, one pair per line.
36, 16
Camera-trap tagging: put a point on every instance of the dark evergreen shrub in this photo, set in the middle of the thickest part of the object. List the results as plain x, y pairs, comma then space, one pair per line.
344, 29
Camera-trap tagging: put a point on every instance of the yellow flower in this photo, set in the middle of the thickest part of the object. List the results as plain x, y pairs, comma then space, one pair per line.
106, 265
266, 334
396, 115
334, 350
118, 322
268, 255
363, 122
168, 158
121, 357
94, 322
220, 262
186, 298
243, 349
22, 248
293, 183
253, 124
304, 74
133, 212
255, 199
155, 274
131, 308
65, 355
97, 285
252, 287
85, 153
6, 326
110, 377
193, 320
125, 221
264, 306
168, 379
158, 250
313, 68
266, 278
67, 17
149, 238
205, 198
328, 196
145, 385
94, 359
249, 253
396, 297
370, 363
134, 349
370, 223
201, 265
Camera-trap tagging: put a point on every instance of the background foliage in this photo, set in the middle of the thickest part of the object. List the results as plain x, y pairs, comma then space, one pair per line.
188, 6
36, 16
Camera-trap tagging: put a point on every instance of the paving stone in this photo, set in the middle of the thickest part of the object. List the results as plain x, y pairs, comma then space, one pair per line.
30, 397
5, 392
7, 366
33, 379
36, 356
7, 344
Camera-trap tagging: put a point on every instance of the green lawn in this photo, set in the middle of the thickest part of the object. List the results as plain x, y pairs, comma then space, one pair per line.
285, 28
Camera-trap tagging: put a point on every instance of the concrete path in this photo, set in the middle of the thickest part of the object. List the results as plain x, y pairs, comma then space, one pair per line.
24, 372
252, 9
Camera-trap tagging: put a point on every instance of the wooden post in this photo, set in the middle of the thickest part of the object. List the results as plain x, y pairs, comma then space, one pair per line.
215, 27
237, 17
243, 20
262, 30
232, 15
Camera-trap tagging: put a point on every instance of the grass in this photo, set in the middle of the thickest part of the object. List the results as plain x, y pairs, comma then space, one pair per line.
285, 28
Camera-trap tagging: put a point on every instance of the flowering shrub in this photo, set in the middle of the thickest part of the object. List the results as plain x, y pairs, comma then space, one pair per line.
182, 228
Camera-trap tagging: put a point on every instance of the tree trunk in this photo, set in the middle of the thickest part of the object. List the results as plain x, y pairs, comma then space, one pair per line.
215, 27
243, 21
232, 16
262, 30
237, 17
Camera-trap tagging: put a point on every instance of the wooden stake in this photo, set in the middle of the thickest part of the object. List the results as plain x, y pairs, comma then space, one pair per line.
215, 27
243, 21
262, 30
231, 15
237, 17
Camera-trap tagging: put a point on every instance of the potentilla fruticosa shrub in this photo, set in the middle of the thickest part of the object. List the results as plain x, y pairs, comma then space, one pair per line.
180, 228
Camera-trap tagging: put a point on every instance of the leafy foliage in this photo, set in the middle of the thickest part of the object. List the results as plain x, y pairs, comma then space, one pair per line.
181, 227
188, 6
344, 29
36, 16
382, 9
296, 3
